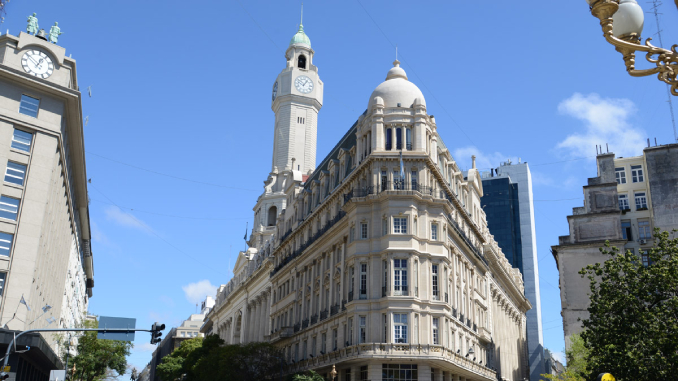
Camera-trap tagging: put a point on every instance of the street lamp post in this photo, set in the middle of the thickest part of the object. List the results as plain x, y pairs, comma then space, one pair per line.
622, 23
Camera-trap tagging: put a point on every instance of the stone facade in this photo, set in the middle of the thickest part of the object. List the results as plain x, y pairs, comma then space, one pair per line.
379, 260
629, 198
48, 258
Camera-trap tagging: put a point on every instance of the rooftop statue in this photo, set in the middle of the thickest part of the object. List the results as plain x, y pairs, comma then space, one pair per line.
54, 33
32, 27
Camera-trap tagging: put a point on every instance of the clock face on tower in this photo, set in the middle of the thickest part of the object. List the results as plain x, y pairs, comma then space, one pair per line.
275, 90
303, 84
37, 63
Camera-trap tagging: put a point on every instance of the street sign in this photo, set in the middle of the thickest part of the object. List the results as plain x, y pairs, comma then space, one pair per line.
116, 323
57, 375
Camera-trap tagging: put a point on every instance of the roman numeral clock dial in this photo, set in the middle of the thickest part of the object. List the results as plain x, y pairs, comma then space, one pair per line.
303, 84
37, 63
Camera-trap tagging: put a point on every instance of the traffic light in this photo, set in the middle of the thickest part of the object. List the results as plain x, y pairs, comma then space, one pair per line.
155, 332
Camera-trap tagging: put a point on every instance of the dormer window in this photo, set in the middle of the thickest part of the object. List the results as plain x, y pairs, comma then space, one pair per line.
301, 62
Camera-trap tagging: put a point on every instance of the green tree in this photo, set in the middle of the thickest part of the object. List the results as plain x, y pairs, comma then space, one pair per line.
632, 330
243, 362
172, 366
311, 376
96, 357
577, 356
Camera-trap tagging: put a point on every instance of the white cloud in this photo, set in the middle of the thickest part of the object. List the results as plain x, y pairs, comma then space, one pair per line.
484, 161
113, 213
196, 292
98, 235
606, 121
560, 356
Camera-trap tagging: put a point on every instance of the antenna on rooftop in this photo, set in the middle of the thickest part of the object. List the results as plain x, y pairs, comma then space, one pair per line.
655, 11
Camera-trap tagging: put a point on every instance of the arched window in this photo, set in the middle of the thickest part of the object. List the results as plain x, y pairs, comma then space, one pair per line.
301, 62
272, 215
389, 139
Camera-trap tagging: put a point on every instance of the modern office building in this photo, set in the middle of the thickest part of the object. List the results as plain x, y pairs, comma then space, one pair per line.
46, 267
508, 204
378, 261
623, 204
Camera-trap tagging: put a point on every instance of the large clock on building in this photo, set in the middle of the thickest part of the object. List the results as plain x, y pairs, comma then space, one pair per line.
37, 63
303, 84
275, 90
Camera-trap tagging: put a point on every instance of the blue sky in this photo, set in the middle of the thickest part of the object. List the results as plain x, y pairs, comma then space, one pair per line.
180, 129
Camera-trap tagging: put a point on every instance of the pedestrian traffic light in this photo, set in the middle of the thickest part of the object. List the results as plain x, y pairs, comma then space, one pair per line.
155, 332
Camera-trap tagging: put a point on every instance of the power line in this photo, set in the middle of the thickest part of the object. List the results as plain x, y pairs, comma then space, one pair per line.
168, 175
149, 230
417, 75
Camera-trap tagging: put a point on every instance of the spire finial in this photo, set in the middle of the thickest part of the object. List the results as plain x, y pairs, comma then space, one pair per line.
396, 52
302, 14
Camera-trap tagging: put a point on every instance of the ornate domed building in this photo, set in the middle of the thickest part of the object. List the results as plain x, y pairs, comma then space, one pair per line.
378, 261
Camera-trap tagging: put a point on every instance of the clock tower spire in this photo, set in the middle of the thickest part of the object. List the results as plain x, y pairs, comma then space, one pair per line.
296, 100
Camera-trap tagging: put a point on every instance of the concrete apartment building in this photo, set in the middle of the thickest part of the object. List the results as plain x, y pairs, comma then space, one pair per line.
508, 204
629, 198
45, 251
378, 261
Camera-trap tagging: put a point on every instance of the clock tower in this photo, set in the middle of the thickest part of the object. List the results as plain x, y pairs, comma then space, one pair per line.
297, 97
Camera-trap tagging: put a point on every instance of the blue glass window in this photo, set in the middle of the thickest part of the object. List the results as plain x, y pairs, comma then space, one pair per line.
29, 106
21, 140
15, 173
6, 243
9, 207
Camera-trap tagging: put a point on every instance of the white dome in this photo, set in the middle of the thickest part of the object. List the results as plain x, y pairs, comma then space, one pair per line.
397, 89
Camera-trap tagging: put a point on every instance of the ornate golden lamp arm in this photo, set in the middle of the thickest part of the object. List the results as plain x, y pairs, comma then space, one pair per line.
628, 18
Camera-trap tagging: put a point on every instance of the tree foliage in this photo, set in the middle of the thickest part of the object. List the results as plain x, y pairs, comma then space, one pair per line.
208, 359
632, 330
172, 366
311, 376
96, 357
577, 362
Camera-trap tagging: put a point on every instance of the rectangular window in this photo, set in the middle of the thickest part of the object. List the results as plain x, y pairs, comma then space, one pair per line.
620, 175
400, 225
384, 318
416, 278
363, 373
400, 328
414, 180
637, 173
436, 291
21, 140
334, 339
313, 346
15, 173
400, 276
384, 181
347, 375
363, 230
323, 343
399, 372
350, 331
6, 243
434, 232
644, 256
29, 106
397, 181
641, 201
408, 139
9, 207
436, 338
644, 231
626, 230
363, 329
363, 281
384, 226
624, 202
